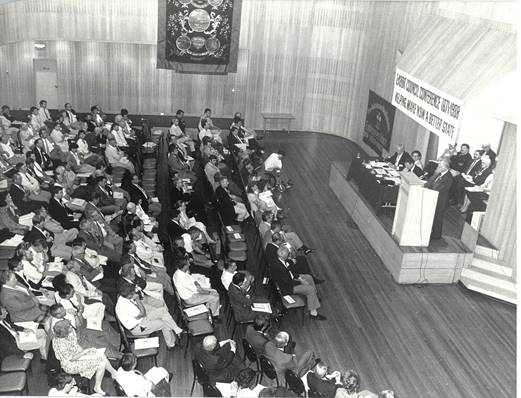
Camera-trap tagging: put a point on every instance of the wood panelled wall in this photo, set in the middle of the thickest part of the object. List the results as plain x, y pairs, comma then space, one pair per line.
317, 59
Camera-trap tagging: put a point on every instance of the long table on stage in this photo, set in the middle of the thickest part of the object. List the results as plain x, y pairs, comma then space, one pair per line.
441, 262
376, 191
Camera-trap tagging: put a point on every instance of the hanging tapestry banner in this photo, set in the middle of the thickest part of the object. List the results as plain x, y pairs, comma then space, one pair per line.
198, 36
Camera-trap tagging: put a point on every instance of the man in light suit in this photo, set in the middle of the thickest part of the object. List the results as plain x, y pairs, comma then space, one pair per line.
21, 303
441, 181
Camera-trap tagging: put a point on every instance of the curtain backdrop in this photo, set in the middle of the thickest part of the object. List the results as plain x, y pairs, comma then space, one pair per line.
499, 225
317, 59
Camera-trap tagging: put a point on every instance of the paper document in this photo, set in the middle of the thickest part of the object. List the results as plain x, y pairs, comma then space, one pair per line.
261, 307
156, 374
78, 202
229, 229
28, 325
155, 200
196, 310
27, 337
202, 280
237, 236
118, 195
13, 242
94, 314
147, 342
289, 299
55, 267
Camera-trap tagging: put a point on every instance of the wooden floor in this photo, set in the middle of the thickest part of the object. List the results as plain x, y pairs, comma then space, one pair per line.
435, 341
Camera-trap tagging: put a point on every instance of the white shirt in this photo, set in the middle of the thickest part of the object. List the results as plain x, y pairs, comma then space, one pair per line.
398, 157
205, 133
119, 136
226, 278
83, 147
247, 393
7, 149
175, 131
32, 271
5, 122
53, 392
43, 115
128, 313
187, 239
133, 384
273, 162
185, 284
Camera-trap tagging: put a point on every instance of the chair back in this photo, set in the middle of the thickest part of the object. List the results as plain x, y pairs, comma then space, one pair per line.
119, 390
211, 391
122, 335
294, 383
249, 351
200, 372
267, 368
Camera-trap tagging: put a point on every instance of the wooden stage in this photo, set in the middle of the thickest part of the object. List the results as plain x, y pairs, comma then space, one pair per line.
441, 262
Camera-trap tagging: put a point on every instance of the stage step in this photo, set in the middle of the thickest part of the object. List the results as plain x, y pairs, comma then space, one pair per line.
486, 251
487, 264
490, 283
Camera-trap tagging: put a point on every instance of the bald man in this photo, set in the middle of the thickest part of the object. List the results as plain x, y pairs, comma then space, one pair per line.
219, 359
441, 181
299, 362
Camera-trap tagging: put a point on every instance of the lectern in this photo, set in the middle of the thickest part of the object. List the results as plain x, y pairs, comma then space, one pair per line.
414, 211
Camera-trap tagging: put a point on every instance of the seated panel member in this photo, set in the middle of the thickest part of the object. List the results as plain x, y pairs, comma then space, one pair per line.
300, 362
399, 157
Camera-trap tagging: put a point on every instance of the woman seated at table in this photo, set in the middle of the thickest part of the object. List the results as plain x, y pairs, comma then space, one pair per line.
76, 360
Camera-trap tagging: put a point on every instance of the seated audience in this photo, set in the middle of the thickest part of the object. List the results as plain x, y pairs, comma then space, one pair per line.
230, 270
141, 321
290, 283
241, 300
219, 359
65, 386
247, 384
190, 290
300, 362
319, 381
230, 205
135, 384
76, 360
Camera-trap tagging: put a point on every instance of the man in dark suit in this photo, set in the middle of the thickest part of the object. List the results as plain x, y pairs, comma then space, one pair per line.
410, 166
174, 227
399, 157
300, 362
59, 212
107, 203
466, 180
441, 181
219, 359
20, 197
41, 157
139, 195
461, 161
292, 283
241, 300
319, 381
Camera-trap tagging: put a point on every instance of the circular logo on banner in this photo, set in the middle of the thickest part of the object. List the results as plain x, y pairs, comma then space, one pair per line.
199, 20
200, 3
212, 44
215, 3
198, 42
183, 43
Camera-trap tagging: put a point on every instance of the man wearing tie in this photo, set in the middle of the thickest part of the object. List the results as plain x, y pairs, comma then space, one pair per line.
43, 113
441, 181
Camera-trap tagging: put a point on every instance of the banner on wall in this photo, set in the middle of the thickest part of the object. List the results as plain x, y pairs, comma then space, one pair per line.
198, 36
435, 110
378, 123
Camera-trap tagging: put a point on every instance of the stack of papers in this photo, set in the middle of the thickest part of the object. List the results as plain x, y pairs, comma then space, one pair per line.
155, 374
148, 342
28, 337
118, 195
289, 299
261, 307
78, 202
237, 236
202, 280
94, 314
196, 310
13, 242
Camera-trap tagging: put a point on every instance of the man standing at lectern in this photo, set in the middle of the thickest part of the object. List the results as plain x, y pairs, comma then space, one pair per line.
441, 181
